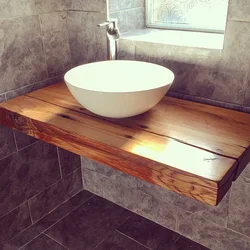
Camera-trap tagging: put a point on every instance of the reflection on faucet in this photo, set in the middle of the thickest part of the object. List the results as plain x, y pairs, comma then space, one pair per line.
113, 34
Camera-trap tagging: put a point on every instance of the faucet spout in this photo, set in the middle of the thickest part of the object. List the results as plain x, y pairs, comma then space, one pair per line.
113, 34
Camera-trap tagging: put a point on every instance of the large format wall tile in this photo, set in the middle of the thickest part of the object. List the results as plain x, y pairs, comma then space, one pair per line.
56, 43
87, 41
13, 8
54, 195
92, 181
239, 210
126, 50
210, 234
21, 53
14, 222
45, 6
216, 214
26, 173
247, 93
76, 39
116, 5
88, 5
239, 10
109, 172
148, 206
130, 19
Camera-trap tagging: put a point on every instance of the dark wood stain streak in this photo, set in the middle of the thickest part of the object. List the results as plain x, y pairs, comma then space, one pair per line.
66, 117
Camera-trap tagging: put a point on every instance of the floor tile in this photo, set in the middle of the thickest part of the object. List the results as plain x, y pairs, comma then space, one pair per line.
54, 195
148, 233
118, 241
89, 224
80, 198
43, 243
186, 244
32, 232
14, 222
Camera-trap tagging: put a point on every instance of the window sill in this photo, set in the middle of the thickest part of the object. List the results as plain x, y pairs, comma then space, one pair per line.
177, 38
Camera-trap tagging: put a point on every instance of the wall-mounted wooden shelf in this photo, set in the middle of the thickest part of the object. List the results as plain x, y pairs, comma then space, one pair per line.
193, 149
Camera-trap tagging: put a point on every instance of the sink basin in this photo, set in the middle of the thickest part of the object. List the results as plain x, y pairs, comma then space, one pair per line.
119, 89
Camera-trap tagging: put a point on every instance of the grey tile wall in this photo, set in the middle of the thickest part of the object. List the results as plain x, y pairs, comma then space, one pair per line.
220, 77
88, 5
223, 227
56, 42
26, 173
34, 53
87, 41
130, 14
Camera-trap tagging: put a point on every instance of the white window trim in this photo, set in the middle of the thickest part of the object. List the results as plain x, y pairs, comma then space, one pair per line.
184, 27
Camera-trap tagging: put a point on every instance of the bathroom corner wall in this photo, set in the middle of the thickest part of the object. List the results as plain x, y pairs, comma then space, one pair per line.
210, 76
219, 77
87, 41
35, 177
130, 14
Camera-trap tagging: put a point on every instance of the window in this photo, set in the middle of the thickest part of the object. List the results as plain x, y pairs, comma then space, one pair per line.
199, 15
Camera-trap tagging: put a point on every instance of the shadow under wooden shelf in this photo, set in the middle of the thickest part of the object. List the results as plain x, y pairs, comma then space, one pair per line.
193, 149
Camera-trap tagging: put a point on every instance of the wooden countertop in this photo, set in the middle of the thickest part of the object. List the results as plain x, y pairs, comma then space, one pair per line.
193, 149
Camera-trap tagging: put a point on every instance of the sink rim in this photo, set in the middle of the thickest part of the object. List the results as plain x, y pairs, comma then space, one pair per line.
169, 76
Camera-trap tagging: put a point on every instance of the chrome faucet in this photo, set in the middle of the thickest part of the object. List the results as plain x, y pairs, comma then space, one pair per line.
113, 34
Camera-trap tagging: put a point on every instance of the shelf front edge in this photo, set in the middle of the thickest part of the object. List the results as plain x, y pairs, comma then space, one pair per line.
71, 142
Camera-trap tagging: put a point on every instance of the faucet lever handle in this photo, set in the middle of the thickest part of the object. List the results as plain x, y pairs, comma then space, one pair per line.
103, 24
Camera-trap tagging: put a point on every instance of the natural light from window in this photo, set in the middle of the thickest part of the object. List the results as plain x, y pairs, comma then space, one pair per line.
200, 15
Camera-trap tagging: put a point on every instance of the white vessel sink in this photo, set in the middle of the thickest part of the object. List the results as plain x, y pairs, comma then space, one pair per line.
119, 89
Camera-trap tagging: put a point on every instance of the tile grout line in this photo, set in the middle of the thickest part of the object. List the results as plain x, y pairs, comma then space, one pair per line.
29, 85
38, 140
14, 138
59, 162
73, 209
229, 205
13, 209
8, 155
34, 14
133, 239
43, 44
30, 213
28, 242
100, 243
124, 10
55, 241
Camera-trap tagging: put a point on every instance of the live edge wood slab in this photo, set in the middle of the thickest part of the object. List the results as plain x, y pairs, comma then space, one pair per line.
193, 149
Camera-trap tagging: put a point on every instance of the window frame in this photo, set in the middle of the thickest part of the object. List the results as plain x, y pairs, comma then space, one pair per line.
180, 27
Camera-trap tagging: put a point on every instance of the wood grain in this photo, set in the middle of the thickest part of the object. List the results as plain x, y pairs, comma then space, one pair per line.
222, 131
186, 147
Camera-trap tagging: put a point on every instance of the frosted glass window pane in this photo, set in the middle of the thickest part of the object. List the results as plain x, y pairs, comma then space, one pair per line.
198, 13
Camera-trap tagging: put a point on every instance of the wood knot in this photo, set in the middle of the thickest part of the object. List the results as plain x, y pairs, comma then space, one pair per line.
66, 117
143, 126
128, 136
